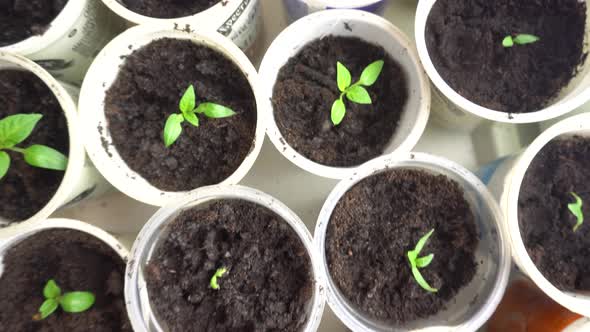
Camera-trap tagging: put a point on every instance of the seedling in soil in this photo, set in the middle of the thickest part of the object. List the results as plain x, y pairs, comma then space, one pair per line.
218, 274
72, 302
417, 263
188, 112
576, 209
355, 92
520, 39
16, 128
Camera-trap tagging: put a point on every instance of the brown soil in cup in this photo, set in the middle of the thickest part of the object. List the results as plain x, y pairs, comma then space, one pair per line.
464, 40
546, 224
21, 19
378, 221
306, 88
168, 8
25, 189
77, 262
148, 89
269, 283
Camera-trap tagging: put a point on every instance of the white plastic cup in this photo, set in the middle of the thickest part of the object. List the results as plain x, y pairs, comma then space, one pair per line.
81, 180
101, 76
299, 8
349, 23
238, 20
136, 293
72, 40
457, 112
477, 301
505, 179
26, 231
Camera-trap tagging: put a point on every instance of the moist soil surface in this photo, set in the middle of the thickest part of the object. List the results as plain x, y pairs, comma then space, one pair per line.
546, 223
21, 19
464, 40
306, 88
168, 8
25, 189
378, 221
148, 89
77, 262
269, 282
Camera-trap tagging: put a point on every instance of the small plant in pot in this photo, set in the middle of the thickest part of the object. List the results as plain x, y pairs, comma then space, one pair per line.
553, 209
62, 279
349, 91
230, 258
33, 141
404, 247
180, 112
506, 56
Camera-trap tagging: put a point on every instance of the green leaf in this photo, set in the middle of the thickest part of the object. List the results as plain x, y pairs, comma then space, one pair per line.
343, 77
524, 38
420, 280
76, 301
16, 128
215, 111
358, 94
51, 290
45, 157
4, 163
508, 42
422, 242
47, 308
218, 274
424, 261
187, 102
371, 73
338, 111
173, 128
192, 118
576, 209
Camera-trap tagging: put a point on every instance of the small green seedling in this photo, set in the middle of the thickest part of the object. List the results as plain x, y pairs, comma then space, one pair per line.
576, 209
72, 302
188, 112
520, 39
218, 274
355, 92
417, 263
16, 128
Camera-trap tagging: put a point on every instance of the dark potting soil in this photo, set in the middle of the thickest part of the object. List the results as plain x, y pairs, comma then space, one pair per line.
306, 88
25, 189
546, 224
269, 282
21, 19
168, 8
77, 262
378, 221
148, 89
464, 40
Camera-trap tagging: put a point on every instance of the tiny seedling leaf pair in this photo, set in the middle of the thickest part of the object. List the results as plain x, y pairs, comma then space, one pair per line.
72, 302
576, 209
520, 39
356, 92
14, 129
218, 274
188, 112
417, 263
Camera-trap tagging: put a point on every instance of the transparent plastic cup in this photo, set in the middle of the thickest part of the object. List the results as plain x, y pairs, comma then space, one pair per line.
474, 303
136, 294
370, 28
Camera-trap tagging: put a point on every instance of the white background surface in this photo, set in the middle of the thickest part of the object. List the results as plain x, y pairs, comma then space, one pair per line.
302, 192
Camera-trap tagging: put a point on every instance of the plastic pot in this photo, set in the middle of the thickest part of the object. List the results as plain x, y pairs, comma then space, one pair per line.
475, 302
299, 8
370, 28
